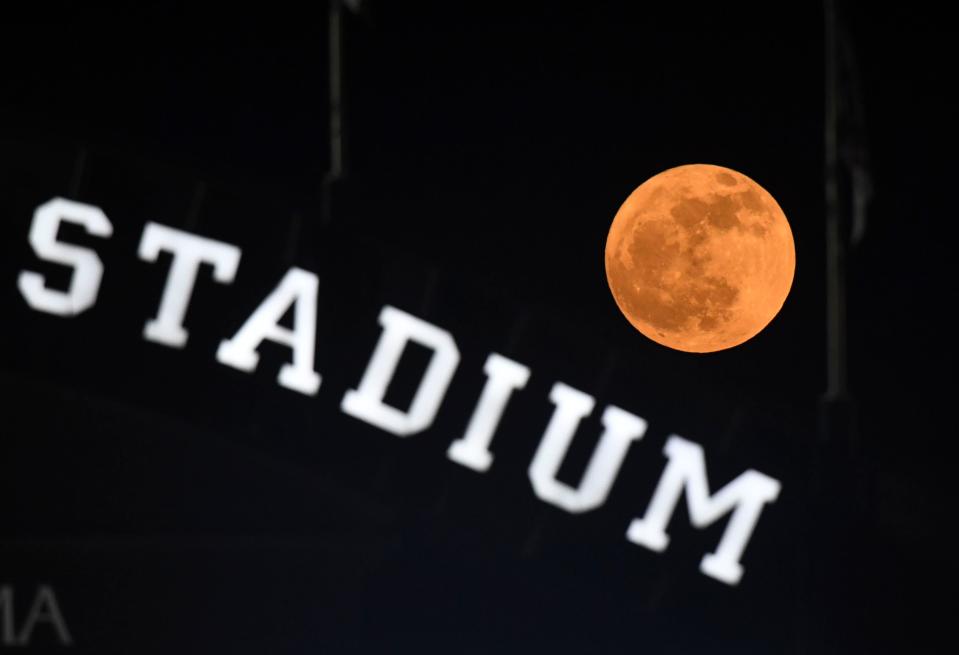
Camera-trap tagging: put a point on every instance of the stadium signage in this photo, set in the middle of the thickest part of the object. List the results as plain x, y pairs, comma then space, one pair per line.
743, 498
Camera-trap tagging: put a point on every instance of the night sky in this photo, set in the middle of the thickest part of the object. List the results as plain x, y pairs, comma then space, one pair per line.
175, 504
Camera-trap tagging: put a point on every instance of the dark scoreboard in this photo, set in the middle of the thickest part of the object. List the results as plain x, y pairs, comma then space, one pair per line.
246, 410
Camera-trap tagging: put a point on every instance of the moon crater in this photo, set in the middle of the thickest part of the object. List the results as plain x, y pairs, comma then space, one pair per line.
700, 258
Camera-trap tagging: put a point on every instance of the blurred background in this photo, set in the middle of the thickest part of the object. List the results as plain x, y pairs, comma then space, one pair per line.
463, 162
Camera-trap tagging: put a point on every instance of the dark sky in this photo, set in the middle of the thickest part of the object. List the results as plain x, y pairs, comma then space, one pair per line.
488, 148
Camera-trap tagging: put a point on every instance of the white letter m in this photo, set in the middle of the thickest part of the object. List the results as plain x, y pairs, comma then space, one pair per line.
744, 497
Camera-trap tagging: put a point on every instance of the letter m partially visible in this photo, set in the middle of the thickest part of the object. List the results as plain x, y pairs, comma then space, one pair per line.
744, 497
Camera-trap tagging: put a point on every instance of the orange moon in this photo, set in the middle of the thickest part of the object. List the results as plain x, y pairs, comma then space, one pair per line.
700, 258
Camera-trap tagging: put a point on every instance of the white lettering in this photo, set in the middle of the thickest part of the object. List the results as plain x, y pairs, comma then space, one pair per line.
620, 429
503, 376
366, 402
744, 497
189, 251
87, 267
44, 610
297, 289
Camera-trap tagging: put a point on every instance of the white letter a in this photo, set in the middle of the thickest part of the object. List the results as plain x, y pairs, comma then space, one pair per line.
298, 289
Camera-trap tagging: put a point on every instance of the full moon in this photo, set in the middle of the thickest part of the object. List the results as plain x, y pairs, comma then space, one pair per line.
700, 258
